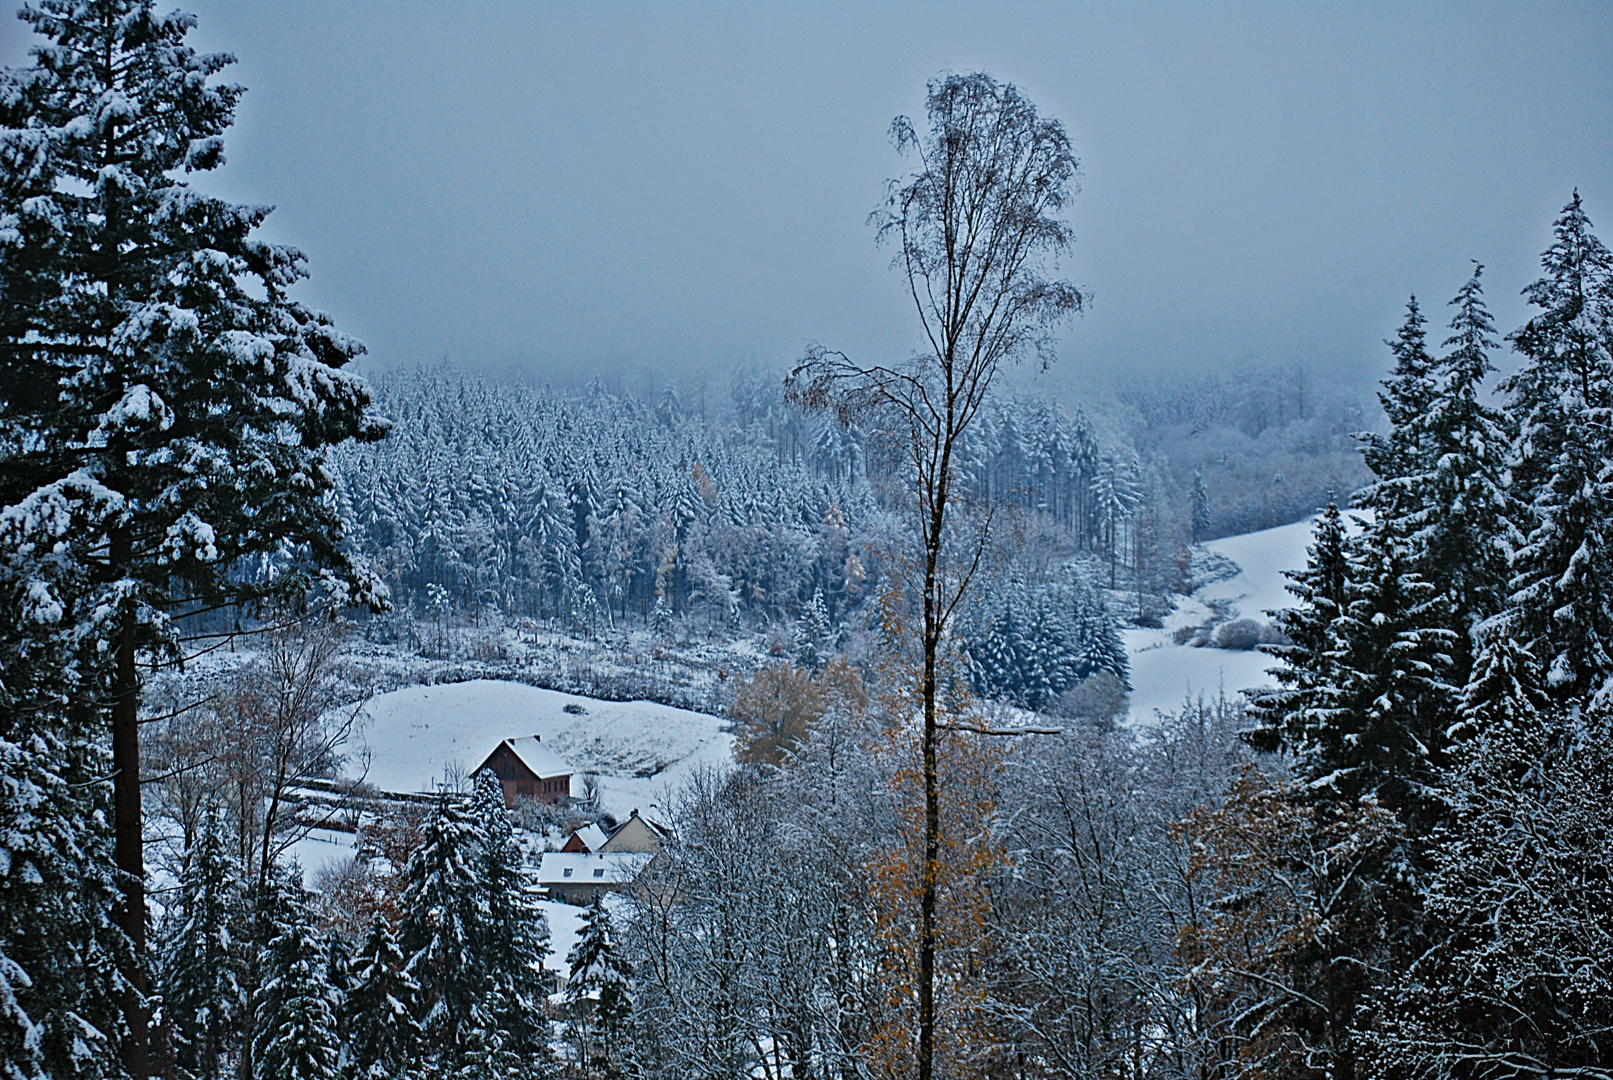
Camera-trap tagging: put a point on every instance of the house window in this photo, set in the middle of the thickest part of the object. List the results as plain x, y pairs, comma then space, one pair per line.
566, 872
600, 872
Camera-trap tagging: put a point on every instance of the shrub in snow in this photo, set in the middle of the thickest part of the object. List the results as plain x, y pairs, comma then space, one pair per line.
1100, 697
1239, 634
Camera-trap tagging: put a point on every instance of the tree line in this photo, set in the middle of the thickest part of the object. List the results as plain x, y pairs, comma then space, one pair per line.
595, 509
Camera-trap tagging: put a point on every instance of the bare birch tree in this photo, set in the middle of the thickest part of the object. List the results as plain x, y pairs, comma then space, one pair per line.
978, 234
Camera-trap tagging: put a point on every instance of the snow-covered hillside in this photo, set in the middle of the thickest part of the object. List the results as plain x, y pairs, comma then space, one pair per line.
1164, 673
412, 737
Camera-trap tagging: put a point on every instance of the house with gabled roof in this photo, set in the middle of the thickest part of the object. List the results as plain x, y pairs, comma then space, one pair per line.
577, 877
633, 835
527, 769
586, 839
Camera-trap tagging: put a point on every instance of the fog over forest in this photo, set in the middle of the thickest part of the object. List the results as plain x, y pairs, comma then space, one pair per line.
580, 190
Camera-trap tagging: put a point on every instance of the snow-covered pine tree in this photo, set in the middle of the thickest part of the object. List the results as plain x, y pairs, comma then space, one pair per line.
1561, 400
1379, 726
1464, 532
1028, 645
599, 989
816, 637
1304, 666
993, 648
661, 617
378, 1017
156, 367
514, 935
338, 966
1396, 458
443, 913
200, 959
1199, 511
1506, 687
296, 1036
1519, 911
62, 957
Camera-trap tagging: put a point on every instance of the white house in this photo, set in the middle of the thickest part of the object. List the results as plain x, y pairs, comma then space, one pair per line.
576, 877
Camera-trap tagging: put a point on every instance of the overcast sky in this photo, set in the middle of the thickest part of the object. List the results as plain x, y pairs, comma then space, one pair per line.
649, 188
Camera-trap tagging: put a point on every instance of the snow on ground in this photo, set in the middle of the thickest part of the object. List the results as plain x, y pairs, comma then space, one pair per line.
1164, 674
1263, 556
319, 849
413, 737
565, 927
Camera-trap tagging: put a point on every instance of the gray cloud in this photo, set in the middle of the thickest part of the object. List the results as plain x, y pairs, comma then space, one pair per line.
643, 189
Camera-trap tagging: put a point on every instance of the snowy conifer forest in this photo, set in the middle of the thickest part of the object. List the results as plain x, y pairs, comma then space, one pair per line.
840, 655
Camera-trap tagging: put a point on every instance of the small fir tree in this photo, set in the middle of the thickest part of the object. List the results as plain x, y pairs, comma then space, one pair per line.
296, 1016
200, 959
1199, 512
598, 990
378, 1017
816, 637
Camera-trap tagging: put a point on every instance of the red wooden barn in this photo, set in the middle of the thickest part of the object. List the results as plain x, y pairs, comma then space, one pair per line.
525, 767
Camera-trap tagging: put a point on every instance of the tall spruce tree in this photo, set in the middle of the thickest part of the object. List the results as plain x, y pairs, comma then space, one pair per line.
378, 1017
1561, 397
166, 404
1386, 702
200, 958
296, 1036
443, 927
514, 934
1396, 459
1465, 534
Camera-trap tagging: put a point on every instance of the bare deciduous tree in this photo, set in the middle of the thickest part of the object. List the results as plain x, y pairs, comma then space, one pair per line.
978, 234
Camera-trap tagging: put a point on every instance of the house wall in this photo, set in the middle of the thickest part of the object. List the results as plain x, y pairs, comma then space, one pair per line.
519, 781
633, 835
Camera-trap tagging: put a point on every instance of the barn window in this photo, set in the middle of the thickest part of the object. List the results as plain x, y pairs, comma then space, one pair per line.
600, 872
567, 872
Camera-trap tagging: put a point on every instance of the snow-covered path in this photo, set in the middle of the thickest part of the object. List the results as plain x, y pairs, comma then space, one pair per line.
1164, 674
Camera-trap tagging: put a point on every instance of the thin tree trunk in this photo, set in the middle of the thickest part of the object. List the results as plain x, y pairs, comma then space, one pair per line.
932, 839
129, 842
932, 785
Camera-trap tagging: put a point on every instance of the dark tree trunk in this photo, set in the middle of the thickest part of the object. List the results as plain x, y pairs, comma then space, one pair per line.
129, 842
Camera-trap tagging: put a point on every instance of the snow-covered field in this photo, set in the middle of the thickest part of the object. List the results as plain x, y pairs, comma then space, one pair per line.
411, 738
1164, 674
321, 848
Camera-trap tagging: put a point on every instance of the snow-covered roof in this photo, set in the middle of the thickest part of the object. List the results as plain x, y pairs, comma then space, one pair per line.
539, 758
592, 836
592, 868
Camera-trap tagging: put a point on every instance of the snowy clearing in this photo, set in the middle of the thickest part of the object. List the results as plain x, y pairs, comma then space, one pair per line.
319, 849
1164, 674
414, 736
